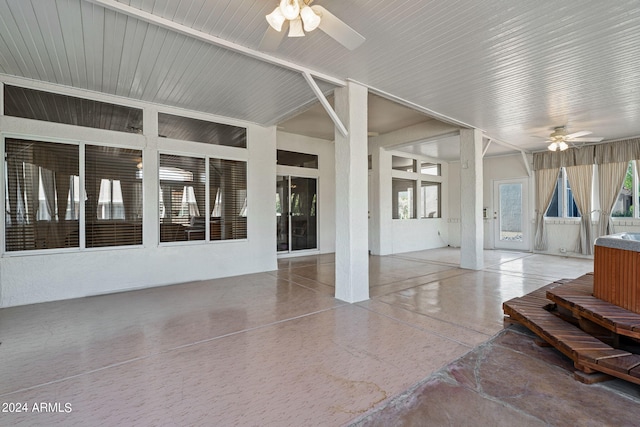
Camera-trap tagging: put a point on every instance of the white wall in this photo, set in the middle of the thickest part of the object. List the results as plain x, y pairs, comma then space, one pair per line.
391, 236
60, 274
494, 168
326, 181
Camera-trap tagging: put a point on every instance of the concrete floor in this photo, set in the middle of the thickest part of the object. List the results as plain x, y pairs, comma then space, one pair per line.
277, 349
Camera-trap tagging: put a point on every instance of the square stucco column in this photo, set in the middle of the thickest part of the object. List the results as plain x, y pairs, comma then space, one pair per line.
471, 229
352, 256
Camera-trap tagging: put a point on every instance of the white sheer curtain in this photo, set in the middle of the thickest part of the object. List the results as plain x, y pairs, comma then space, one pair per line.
610, 179
545, 183
581, 181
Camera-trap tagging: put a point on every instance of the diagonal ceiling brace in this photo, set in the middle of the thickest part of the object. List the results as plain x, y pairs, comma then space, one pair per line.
513, 147
486, 147
526, 162
325, 103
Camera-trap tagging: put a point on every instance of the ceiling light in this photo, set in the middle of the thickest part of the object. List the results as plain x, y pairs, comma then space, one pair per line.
290, 9
298, 13
562, 145
310, 19
276, 19
553, 146
295, 28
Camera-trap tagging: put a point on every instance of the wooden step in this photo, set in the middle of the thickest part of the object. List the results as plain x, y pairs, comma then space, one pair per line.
587, 352
577, 297
568, 339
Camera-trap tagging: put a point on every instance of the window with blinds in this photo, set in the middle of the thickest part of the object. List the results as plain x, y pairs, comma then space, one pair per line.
57, 108
227, 199
113, 198
41, 195
188, 129
182, 198
292, 158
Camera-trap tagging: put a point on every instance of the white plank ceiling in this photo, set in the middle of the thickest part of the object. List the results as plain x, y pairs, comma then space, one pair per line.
514, 69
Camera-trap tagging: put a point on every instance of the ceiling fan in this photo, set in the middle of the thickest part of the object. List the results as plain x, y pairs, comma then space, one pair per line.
559, 138
300, 16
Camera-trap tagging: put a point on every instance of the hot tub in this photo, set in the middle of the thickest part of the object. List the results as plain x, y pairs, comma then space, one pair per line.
616, 275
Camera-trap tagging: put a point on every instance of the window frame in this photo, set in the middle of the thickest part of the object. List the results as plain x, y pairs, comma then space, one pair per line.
635, 195
418, 178
211, 152
562, 197
425, 184
81, 144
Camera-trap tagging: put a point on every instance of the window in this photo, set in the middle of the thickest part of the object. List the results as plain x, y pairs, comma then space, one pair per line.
39, 182
403, 164
188, 129
428, 168
302, 160
182, 198
228, 199
430, 200
562, 204
403, 198
57, 108
628, 198
113, 201
183, 205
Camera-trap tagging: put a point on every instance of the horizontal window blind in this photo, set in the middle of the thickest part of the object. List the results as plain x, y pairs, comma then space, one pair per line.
39, 195
228, 199
182, 198
292, 158
113, 199
57, 108
188, 129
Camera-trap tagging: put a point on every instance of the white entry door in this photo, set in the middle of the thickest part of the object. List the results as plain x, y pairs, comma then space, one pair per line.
511, 214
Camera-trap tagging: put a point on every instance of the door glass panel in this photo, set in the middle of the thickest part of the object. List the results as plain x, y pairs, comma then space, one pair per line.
303, 213
282, 212
511, 212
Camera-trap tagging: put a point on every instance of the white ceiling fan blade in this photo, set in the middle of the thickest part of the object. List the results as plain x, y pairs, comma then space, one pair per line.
594, 139
578, 134
272, 38
337, 29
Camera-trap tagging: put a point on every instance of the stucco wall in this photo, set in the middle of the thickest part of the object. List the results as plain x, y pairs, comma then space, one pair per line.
59, 274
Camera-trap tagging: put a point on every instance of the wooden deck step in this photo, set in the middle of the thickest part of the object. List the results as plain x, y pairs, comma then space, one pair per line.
570, 340
577, 297
588, 353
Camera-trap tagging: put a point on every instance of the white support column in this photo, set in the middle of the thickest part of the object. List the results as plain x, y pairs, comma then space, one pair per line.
471, 194
150, 160
352, 258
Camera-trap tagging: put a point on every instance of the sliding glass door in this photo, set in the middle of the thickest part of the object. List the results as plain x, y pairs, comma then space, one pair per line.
296, 213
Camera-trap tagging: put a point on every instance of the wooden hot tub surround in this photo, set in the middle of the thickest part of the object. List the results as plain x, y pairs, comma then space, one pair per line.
594, 319
617, 276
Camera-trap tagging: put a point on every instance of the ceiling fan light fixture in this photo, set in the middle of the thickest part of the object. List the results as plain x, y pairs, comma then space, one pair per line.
276, 19
562, 145
295, 28
290, 9
553, 146
310, 19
